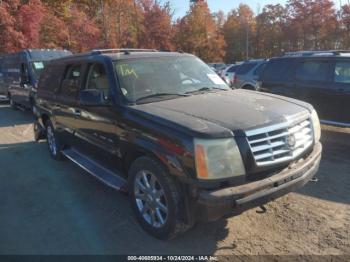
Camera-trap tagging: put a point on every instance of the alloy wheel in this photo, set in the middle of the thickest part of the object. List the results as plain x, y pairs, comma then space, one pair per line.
150, 199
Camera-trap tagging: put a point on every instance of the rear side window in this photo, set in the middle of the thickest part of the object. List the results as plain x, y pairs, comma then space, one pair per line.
278, 70
97, 79
245, 68
313, 71
259, 69
73, 72
233, 69
342, 72
71, 81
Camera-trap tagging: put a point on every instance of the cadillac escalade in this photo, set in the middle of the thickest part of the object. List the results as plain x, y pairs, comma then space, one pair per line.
163, 127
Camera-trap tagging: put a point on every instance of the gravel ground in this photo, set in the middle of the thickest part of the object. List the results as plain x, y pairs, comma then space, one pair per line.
49, 207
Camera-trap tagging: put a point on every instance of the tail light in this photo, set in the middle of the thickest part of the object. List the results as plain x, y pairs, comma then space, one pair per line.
234, 79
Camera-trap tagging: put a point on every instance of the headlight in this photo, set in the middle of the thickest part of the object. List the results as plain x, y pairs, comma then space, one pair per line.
316, 125
219, 158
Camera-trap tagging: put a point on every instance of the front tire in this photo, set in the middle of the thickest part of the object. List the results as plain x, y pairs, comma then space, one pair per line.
155, 199
53, 143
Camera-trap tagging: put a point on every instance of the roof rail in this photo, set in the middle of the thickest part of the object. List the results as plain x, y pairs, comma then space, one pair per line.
120, 50
317, 53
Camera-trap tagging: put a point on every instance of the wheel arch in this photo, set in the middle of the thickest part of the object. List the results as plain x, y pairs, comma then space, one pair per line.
132, 151
248, 86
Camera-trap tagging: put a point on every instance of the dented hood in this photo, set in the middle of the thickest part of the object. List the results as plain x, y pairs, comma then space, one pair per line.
220, 114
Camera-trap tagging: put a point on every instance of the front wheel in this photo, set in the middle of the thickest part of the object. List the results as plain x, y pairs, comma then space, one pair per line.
155, 199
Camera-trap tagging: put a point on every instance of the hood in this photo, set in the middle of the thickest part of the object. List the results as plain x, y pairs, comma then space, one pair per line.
219, 114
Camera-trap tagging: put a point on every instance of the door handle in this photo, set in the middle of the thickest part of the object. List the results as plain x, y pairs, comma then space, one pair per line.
77, 112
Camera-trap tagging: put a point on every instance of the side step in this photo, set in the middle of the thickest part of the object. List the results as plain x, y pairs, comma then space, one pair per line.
103, 174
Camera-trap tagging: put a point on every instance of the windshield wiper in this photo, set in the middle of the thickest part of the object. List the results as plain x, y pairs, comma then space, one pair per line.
160, 95
203, 89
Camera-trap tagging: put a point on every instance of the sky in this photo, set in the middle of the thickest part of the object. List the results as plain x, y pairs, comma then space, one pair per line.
181, 6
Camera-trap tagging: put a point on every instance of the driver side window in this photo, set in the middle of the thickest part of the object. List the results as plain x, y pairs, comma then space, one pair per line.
97, 79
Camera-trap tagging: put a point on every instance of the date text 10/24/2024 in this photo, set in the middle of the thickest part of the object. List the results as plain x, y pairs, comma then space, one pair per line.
172, 258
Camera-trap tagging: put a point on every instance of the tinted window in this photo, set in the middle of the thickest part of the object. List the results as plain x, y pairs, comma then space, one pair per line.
278, 70
233, 69
50, 78
73, 72
71, 82
97, 78
259, 69
342, 72
245, 68
312, 71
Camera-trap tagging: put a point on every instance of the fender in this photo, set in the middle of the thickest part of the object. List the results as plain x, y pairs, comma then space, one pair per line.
163, 150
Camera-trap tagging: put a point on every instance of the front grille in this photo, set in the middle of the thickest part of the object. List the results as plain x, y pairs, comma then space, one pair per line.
279, 143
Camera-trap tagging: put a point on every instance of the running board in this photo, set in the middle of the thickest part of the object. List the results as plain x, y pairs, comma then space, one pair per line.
103, 174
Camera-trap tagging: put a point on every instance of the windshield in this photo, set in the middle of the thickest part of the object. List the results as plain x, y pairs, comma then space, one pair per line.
158, 77
38, 67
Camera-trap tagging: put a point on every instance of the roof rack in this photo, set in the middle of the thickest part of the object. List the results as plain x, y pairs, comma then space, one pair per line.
317, 53
126, 51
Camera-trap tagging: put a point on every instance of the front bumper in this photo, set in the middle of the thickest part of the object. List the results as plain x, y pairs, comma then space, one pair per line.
235, 200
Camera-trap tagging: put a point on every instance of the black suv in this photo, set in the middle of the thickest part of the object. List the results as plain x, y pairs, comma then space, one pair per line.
165, 128
321, 78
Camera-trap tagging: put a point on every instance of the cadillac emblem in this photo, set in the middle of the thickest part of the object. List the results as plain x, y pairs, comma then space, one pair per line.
291, 141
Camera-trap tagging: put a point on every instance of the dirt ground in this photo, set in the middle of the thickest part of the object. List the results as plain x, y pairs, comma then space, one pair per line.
49, 207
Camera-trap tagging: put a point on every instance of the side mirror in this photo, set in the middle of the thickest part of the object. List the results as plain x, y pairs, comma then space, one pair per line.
92, 97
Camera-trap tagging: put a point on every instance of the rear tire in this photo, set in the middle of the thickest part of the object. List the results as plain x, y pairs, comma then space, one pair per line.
53, 142
39, 132
155, 199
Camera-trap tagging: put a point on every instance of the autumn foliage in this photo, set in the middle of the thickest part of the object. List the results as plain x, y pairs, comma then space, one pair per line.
232, 35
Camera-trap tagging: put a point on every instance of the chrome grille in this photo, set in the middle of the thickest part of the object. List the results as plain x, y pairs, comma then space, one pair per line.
279, 143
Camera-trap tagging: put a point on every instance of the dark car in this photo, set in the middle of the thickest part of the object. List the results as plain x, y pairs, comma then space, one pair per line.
21, 71
319, 78
217, 67
165, 128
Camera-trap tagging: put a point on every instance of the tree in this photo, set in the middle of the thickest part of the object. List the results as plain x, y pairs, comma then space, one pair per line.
197, 33
344, 26
83, 32
271, 31
157, 30
53, 32
10, 38
314, 23
239, 31
29, 18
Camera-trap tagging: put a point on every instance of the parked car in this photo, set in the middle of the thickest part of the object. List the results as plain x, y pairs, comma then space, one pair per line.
320, 78
165, 128
228, 74
21, 72
244, 75
218, 67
